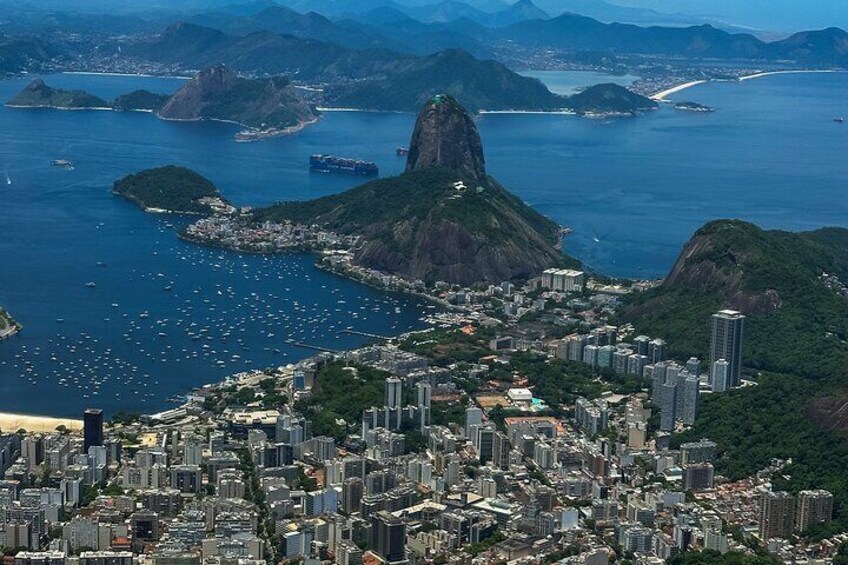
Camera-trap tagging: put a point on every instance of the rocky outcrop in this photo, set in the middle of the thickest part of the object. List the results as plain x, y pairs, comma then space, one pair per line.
38, 94
445, 136
442, 220
440, 246
718, 257
217, 93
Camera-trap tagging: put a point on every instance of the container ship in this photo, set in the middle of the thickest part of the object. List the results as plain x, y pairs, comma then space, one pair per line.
332, 164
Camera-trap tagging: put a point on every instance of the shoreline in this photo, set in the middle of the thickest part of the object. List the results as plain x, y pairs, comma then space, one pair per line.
663, 95
10, 422
107, 74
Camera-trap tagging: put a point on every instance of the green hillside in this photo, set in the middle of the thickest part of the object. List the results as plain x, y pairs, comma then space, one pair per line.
171, 188
795, 345
419, 225
38, 94
796, 324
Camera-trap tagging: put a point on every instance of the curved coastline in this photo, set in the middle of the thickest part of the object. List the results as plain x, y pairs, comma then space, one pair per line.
663, 95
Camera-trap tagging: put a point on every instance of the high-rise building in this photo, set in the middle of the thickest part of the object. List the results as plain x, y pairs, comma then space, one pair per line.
689, 391
777, 515
92, 428
693, 365
641, 342
425, 393
813, 507
698, 476
473, 417
388, 537
484, 443
667, 402
726, 331
394, 392
657, 350
720, 376
703, 451
352, 492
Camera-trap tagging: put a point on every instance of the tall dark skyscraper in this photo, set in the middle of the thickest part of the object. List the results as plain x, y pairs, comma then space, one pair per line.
726, 330
388, 537
92, 428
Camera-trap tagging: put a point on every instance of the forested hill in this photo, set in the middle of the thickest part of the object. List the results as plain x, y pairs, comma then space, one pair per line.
794, 347
797, 323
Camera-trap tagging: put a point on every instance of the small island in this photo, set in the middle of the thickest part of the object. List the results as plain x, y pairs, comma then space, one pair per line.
8, 325
693, 107
172, 189
603, 100
38, 95
264, 107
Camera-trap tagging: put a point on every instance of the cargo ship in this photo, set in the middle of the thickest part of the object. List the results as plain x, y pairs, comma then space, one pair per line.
332, 164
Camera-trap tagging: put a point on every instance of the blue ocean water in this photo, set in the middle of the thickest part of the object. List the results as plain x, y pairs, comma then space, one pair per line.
633, 190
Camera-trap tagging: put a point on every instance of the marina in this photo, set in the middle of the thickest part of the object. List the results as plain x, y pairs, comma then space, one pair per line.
165, 315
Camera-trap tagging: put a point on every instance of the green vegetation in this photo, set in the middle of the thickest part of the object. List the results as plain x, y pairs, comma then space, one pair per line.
38, 94
444, 347
795, 333
609, 99
476, 84
773, 420
795, 324
238, 104
342, 392
480, 235
710, 557
476, 548
171, 188
217, 93
556, 381
140, 100
410, 196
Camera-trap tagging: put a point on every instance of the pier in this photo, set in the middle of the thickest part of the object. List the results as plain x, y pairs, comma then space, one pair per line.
315, 347
366, 334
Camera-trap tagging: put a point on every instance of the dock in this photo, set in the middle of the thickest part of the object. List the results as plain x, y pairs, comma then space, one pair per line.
366, 334
315, 347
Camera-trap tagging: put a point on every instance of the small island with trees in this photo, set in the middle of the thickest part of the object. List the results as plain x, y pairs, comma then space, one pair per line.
171, 189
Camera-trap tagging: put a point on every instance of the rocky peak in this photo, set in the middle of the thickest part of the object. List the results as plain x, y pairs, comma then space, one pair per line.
445, 136
188, 102
37, 85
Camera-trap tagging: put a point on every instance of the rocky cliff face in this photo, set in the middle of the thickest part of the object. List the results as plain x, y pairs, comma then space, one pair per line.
217, 93
445, 136
442, 220
191, 100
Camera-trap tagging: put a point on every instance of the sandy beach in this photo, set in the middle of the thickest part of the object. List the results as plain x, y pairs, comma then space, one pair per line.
10, 422
661, 96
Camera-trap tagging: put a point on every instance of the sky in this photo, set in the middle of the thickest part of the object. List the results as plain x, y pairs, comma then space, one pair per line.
778, 15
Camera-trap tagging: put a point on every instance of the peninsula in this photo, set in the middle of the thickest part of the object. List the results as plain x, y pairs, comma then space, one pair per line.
265, 106
38, 95
444, 219
172, 189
